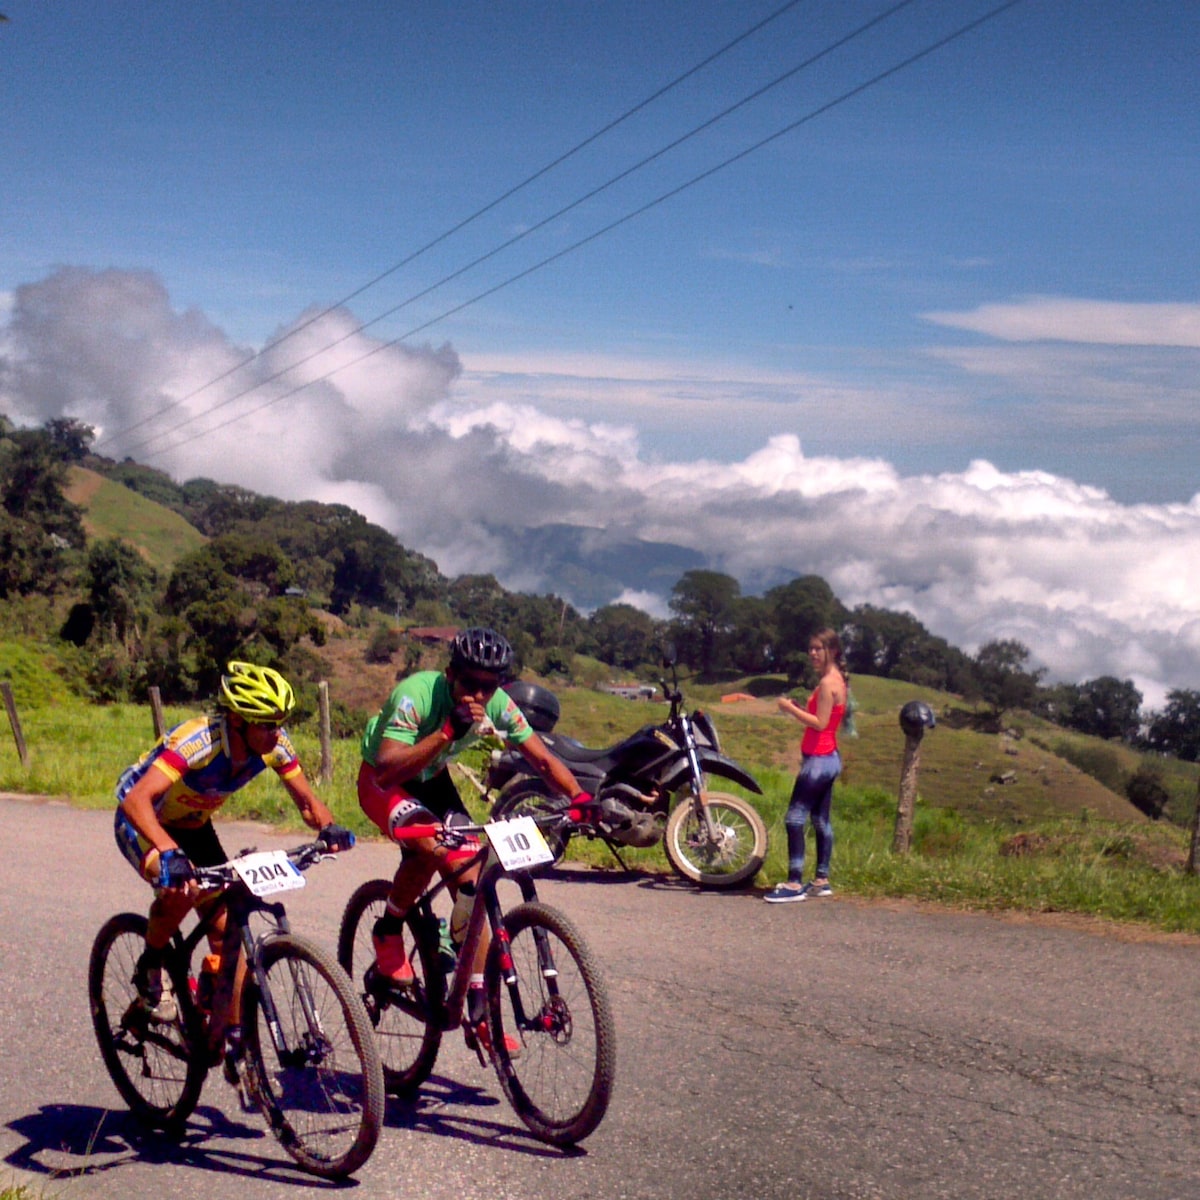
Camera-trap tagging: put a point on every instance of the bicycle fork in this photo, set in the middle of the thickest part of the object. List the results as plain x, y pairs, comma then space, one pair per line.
313, 1044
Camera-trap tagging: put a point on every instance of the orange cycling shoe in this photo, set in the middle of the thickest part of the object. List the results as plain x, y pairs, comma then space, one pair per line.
391, 960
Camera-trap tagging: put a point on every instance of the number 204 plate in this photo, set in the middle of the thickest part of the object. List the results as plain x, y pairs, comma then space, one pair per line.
268, 871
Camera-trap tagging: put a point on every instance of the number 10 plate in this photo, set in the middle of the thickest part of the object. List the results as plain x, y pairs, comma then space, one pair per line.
518, 843
268, 871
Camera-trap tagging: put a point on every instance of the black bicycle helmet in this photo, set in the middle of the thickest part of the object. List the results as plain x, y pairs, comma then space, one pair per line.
481, 650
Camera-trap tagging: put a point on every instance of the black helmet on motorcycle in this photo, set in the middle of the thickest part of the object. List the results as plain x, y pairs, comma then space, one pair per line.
481, 649
539, 704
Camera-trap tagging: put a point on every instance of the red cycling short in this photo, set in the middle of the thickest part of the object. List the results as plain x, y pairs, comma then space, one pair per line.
392, 808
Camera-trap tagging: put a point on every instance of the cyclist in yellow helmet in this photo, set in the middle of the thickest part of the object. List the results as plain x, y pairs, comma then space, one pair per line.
167, 799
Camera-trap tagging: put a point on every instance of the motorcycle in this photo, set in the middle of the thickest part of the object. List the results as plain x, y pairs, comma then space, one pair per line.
648, 788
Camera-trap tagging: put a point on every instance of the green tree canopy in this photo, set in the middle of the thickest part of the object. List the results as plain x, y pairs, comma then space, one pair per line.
623, 635
703, 602
1003, 681
1176, 729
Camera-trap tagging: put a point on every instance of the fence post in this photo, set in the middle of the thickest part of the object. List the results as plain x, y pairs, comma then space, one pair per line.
915, 718
1193, 866
325, 774
156, 712
15, 722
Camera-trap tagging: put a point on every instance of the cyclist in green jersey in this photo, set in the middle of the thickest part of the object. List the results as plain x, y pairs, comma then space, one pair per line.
406, 749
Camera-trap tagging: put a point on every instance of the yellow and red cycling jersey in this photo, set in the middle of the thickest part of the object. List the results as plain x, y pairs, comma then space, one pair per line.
195, 756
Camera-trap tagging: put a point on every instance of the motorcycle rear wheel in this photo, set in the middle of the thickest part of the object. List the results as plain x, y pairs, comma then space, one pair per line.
530, 797
729, 861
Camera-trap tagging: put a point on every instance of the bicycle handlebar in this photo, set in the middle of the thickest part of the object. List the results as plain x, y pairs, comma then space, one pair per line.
301, 857
455, 835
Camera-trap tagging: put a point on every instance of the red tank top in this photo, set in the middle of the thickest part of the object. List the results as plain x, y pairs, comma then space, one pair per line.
821, 741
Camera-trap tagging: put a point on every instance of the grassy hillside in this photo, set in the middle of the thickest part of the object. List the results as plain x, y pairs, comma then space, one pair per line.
112, 510
957, 765
1053, 840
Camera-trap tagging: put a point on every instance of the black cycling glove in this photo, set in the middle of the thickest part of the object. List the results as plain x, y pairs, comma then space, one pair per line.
174, 869
460, 720
336, 837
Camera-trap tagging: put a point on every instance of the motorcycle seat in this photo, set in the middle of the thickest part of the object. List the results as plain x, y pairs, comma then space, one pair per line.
572, 751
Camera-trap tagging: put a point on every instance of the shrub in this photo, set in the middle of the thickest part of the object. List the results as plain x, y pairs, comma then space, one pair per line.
1146, 791
385, 641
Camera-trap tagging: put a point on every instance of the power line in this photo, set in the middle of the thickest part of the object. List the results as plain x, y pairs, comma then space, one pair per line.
858, 90
529, 231
404, 262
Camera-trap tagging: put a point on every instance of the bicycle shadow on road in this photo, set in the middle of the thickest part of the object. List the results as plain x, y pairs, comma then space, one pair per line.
440, 1110
68, 1140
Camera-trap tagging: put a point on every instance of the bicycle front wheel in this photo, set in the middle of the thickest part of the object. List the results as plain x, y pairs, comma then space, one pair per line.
158, 1066
321, 1088
407, 1031
553, 1037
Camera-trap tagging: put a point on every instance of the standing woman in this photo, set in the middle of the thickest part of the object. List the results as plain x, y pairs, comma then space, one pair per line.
820, 765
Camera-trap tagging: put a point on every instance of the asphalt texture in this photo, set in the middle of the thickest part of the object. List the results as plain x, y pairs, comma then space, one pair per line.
833, 1048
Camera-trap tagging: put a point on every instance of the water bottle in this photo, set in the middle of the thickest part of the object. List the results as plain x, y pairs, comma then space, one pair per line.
447, 954
460, 916
206, 984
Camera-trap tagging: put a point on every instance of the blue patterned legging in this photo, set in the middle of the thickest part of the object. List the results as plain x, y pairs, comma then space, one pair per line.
812, 797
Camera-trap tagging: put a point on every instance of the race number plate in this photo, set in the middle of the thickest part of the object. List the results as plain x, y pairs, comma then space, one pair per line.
268, 871
518, 843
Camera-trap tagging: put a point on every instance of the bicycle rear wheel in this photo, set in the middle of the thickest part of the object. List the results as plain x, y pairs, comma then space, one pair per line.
155, 1064
406, 1034
560, 1075
322, 1090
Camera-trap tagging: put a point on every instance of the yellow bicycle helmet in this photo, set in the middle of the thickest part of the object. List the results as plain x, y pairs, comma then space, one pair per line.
258, 694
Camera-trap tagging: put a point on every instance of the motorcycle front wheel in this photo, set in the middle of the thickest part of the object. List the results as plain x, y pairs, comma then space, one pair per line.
530, 798
728, 856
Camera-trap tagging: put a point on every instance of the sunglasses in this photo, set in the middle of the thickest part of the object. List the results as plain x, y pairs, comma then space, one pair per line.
474, 682
266, 722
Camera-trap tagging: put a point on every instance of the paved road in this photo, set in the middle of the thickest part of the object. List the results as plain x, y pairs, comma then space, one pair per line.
829, 1050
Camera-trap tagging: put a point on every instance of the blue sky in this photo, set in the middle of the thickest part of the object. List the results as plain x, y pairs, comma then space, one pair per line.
963, 302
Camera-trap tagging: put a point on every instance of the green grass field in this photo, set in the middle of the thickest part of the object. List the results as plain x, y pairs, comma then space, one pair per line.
1053, 840
113, 510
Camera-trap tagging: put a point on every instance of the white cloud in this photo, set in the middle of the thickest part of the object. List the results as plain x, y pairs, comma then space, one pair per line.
1097, 322
1093, 586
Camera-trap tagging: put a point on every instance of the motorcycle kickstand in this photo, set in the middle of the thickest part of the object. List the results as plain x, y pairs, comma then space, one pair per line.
617, 855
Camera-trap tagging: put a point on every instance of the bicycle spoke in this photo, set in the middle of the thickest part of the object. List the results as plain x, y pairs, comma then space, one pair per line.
556, 1013
406, 1037
321, 1086
151, 1062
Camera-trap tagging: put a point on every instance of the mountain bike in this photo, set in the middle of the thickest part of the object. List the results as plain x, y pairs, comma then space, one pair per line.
551, 1037
309, 1060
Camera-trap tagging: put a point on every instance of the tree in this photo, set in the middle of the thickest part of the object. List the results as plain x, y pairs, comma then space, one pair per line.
1176, 730
704, 603
896, 645
1106, 707
754, 638
623, 635
480, 600
801, 608
120, 591
70, 438
1146, 791
1003, 682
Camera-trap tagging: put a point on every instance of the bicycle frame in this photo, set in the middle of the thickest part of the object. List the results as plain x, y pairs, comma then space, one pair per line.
240, 942
451, 1014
